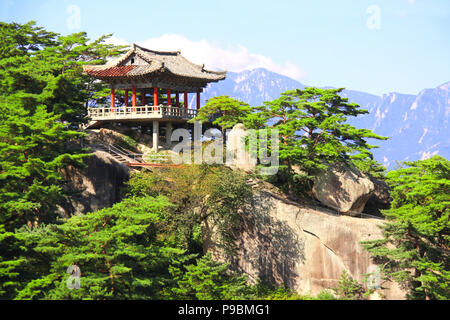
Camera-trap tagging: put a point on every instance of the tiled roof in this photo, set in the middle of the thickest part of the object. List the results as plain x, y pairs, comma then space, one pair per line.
172, 62
120, 71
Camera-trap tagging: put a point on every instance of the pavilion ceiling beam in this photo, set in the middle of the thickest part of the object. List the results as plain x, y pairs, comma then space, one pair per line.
163, 85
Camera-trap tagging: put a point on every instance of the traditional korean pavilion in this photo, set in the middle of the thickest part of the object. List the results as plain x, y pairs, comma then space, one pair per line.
145, 76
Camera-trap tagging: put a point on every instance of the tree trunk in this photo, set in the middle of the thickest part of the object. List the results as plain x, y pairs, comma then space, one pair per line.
291, 192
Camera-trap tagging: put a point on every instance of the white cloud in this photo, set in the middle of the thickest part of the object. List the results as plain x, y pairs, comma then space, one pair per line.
117, 41
217, 58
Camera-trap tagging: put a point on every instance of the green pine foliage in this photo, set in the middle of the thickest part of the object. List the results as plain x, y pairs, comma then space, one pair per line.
43, 95
117, 250
42, 100
43, 68
371, 167
223, 111
415, 248
313, 131
33, 147
349, 289
122, 253
208, 280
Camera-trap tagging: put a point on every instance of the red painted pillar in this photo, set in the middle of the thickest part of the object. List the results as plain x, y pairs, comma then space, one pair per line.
169, 98
198, 100
113, 99
143, 97
155, 98
186, 102
126, 98
177, 100
134, 99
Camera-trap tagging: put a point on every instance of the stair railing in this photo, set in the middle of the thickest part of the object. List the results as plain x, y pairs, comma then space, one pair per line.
117, 150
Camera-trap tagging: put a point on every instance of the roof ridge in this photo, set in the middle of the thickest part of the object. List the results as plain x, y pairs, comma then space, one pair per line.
143, 55
156, 51
119, 60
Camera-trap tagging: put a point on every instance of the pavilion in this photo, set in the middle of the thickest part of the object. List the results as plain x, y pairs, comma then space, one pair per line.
150, 76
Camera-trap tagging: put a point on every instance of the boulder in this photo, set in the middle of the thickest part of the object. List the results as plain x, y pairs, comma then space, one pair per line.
344, 189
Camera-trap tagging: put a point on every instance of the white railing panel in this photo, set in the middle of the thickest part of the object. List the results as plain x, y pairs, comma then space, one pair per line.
145, 112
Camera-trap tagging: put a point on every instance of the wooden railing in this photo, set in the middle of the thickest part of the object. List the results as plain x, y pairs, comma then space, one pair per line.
147, 112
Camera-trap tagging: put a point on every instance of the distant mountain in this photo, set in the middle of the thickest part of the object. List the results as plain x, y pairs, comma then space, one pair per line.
418, 125
252, 86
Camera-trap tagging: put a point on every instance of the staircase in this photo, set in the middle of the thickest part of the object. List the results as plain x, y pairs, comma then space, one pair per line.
120, 154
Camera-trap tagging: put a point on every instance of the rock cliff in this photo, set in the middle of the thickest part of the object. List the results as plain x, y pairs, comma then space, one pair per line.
94, 187
304, 247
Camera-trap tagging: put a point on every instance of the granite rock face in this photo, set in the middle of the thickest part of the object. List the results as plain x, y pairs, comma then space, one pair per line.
94, 187
301, 246
343, 189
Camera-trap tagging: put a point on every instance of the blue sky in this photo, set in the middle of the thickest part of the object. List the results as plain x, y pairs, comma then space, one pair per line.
373, 46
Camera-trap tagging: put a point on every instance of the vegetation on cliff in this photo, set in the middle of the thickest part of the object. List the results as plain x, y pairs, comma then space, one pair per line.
415, 248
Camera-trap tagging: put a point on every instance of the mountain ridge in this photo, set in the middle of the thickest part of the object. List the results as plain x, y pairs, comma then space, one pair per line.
417, 125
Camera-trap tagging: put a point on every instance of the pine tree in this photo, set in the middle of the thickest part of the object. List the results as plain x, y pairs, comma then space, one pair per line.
43, 68
32, 150
42, 101
313, 130
348, 288
208, 280
415, 248
117, 250
223, 111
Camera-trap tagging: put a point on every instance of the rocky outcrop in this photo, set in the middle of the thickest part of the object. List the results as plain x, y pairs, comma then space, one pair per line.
94, 187
380, 198
240, 158
344, 189
298, 245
